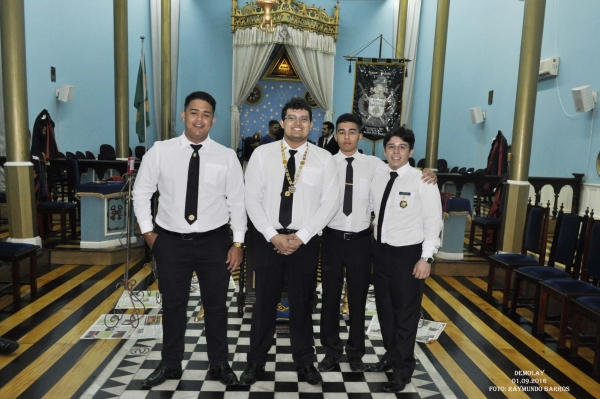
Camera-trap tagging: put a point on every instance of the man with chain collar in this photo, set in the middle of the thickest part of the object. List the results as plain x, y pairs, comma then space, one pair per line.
291, 194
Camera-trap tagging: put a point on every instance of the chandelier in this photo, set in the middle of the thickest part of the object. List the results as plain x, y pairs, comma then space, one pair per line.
267, 22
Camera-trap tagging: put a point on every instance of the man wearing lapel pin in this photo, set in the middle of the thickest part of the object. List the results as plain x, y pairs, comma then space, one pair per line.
201, 188
408, 222
291, 193
347, 247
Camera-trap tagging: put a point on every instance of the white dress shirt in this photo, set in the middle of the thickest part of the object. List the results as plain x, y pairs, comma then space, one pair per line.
220, 193
364, 168
316, 197
419, 221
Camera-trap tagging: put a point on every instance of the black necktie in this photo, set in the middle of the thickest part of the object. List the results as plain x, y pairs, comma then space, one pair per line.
386, 194
287, 197
191, 195
347, 207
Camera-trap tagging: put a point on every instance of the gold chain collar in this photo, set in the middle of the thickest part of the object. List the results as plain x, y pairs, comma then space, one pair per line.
292, 187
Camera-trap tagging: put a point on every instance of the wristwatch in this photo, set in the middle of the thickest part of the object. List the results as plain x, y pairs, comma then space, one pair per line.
428, 260
240, 245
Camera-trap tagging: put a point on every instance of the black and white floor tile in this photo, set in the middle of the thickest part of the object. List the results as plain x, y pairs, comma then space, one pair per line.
123, 376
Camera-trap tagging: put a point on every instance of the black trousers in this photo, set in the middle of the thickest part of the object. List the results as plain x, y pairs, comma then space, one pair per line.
356, 255
176, 259
299, 272
398, 297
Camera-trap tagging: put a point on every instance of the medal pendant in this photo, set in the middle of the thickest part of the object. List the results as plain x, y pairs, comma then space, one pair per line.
292, 189
287, 193
403, 204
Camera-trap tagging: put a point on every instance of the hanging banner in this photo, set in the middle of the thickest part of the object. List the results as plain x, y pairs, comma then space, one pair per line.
378, 97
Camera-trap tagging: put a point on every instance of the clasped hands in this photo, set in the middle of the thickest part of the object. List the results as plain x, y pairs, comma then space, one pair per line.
286, 244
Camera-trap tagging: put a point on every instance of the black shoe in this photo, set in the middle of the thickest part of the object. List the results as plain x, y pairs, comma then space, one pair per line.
249, 375
383, 365
313, 377
224, 373
396, 384
328, 363
161, 374
7, 346
357, 365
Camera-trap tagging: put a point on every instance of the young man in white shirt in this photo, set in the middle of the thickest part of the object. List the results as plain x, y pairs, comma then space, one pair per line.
291, 194
407, 224
347, 247
201, 188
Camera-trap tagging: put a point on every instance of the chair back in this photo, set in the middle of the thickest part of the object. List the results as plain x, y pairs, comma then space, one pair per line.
73, 178
421, 163
536, 231
565, 240
140, 151
412, 162
442, 165
90, 155
454, 169
591, 254
107, 149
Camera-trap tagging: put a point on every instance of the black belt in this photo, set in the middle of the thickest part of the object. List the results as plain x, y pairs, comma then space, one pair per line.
286, 231
189, 236
347, 235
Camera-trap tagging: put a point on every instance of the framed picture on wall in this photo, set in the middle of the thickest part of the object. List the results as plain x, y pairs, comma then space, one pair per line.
255, 96
310, 100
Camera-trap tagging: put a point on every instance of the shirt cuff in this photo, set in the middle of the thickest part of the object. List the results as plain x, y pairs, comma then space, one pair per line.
238, 236
269, 233
303, 235
145, 227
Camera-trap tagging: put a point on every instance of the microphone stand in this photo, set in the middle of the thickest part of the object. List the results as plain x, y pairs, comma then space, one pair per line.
112, 319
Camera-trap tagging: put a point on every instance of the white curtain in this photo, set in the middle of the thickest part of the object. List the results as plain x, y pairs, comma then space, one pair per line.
410, 51
312, 54
155, 17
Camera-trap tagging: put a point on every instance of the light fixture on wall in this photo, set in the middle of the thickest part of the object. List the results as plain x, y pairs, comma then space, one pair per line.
477, 115
267, 22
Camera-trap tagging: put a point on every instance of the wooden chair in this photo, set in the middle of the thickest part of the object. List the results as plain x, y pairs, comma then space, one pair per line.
566, 290
567, 241
14, 253
534, 240
67, 207
487, 225
589, 307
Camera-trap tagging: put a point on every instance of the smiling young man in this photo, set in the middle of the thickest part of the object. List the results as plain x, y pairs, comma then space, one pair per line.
201, 188
408, 222
291, 194
347, 247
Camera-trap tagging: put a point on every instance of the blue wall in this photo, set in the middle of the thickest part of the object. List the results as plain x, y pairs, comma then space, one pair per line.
77, 38
482, 54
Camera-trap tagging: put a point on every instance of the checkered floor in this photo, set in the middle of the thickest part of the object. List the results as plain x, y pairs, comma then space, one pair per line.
123, 377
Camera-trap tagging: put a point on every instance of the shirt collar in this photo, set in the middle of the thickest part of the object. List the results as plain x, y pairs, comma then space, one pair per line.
340, 157
300, 149
184, 142
402, 171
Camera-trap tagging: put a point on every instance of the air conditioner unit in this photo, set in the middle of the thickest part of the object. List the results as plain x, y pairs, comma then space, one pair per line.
548, 68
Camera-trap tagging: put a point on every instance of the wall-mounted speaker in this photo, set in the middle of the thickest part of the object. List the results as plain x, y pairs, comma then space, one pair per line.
65, 93
477, 115
583, 98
